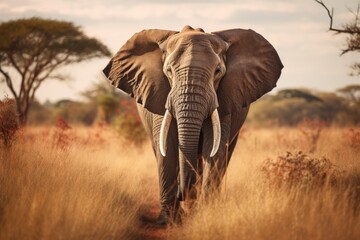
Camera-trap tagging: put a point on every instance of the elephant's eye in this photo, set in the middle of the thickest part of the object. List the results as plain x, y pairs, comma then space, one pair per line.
218, 70
169, 71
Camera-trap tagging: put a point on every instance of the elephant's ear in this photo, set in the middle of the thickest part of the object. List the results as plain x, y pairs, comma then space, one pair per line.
137, 69
252, 69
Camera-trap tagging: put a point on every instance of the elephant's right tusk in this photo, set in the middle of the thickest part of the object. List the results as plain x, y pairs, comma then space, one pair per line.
164, 129
215, 120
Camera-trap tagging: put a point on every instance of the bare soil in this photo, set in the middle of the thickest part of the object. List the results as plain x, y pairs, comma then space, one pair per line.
150, 229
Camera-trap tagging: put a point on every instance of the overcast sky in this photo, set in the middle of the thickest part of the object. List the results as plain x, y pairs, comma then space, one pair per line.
298, 29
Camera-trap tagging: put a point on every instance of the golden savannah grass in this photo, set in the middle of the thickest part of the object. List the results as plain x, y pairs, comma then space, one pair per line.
72, 184
88, 183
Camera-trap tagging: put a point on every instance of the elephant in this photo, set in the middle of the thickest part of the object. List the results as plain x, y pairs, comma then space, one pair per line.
193, 91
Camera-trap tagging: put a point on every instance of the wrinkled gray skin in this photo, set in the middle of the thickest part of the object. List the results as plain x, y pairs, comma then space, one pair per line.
191, 74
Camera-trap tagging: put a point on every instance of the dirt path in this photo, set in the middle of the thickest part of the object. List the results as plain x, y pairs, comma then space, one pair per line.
148, 216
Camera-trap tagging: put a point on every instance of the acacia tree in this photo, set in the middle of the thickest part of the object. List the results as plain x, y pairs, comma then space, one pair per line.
351, 93
32, 50
351, 29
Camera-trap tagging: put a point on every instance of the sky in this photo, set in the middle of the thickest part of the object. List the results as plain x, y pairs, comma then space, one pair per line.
298, 29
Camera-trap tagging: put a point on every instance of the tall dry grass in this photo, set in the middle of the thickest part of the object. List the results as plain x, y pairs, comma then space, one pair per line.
90, 186
251, 208
94, 186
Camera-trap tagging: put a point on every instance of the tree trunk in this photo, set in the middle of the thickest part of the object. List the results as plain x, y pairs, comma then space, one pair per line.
23, 110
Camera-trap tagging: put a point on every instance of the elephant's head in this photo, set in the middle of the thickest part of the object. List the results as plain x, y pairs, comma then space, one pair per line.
189, 76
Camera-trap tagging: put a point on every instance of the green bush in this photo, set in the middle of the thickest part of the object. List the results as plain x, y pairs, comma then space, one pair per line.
130, 128
108, 107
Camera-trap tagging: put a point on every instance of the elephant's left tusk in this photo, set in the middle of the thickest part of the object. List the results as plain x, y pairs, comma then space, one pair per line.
164, 129
215, 120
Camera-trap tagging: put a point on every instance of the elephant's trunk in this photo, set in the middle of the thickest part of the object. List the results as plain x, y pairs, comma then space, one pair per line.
189, 127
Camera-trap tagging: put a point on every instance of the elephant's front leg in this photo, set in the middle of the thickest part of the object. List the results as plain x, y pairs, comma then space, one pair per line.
215, 167
167, 172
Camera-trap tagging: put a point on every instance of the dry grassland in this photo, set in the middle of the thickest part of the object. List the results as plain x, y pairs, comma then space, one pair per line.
89, 184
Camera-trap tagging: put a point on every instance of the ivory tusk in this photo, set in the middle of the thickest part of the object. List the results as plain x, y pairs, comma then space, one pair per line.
215, 120
164, 129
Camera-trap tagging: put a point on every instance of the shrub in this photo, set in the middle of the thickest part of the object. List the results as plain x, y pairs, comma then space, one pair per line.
9, 121
299, 169
128, 123
130, 128
352, 137
62, 136
108, 107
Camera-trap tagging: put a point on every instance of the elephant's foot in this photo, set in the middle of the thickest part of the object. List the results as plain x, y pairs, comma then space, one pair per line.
163, 219
170, 217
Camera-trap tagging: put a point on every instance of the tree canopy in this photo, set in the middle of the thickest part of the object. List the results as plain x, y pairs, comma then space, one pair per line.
33, 49
352, 93
296, 93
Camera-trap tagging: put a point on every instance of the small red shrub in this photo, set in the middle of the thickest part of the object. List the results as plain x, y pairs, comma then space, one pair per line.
62, 124
9, 121
62, 136
352, 137
299, 169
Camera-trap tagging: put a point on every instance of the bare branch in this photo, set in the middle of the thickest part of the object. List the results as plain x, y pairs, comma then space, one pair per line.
37, 85
8, 82
328, 12
14, 64
331, 16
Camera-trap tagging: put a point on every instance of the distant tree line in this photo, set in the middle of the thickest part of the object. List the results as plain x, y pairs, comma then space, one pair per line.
288, 107
101, 103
